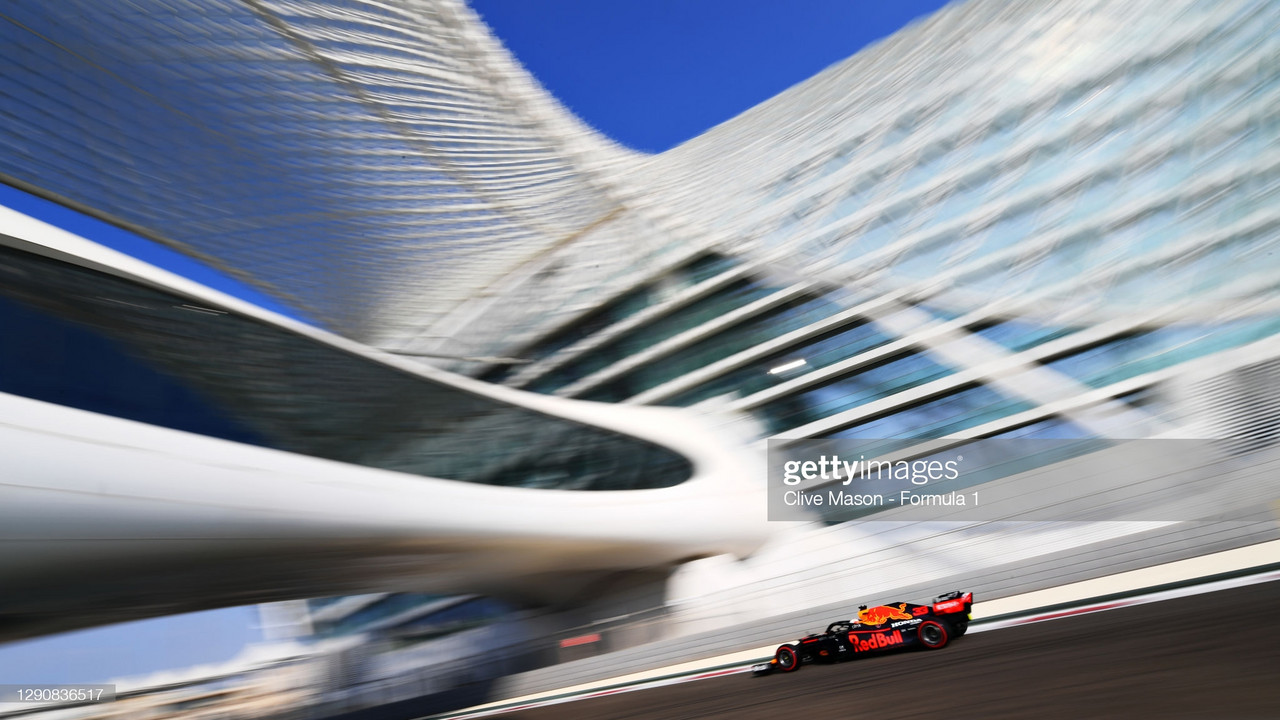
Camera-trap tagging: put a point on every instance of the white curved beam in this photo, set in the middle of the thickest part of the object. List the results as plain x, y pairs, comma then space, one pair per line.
132, 506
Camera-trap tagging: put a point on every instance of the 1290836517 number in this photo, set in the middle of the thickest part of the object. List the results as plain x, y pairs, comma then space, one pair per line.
54, 694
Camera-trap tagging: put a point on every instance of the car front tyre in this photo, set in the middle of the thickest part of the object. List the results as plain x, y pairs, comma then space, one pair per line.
788, 659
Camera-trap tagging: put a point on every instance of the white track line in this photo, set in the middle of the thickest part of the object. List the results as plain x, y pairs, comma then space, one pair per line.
1159, 596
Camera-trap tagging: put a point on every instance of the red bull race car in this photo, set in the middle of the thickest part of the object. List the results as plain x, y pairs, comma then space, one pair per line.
883, 628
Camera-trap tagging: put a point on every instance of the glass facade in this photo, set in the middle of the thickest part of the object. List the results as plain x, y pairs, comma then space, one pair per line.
817, 353
1140, 178
406, 618
735, 339
377, 612
1128, 164
1019, 335
731, 297
940, 417
871, 383
1112, 158
1157, 349
619, 309
178, 364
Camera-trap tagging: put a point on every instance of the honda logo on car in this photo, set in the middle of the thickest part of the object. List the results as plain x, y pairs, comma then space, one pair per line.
876, 642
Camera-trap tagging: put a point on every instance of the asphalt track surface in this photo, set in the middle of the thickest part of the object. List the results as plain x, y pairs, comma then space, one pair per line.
1207, 656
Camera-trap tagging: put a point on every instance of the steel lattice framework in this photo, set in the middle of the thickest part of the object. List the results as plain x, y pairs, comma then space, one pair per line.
373, 163
1000, 148
390, 170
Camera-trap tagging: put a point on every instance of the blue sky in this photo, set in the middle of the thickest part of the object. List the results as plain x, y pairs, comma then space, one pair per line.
131, 649
131, 244
654, 73
649, 74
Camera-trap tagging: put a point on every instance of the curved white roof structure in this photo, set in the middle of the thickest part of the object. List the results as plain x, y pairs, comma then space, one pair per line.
325, 152
329, 467
392, 172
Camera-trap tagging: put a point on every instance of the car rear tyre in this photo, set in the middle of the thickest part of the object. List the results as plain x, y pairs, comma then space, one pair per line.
788, 660
933, 634
960, 628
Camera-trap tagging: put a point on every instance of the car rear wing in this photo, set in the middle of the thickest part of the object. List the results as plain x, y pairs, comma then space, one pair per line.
953, 602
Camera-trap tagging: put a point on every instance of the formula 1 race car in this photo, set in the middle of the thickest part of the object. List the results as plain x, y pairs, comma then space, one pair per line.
878, 629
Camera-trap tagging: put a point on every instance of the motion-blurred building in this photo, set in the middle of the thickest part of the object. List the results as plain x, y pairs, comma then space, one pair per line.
1012, 219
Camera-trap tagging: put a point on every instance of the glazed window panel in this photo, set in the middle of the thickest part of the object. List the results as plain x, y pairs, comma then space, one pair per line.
1019, 335
728, 342
736, 295
625, 306
1147, 352
1053, 428
818, 353
175, 364
937, 418
846, 393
